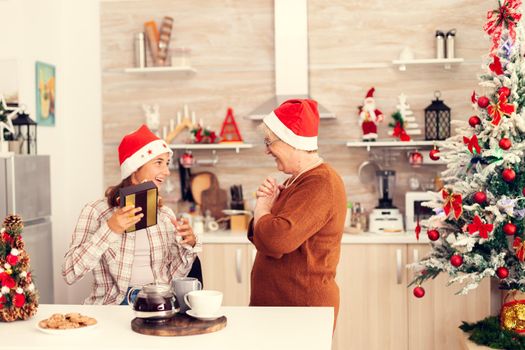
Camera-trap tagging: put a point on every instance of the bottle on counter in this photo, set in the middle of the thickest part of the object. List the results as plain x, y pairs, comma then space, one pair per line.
348, 218
356, 221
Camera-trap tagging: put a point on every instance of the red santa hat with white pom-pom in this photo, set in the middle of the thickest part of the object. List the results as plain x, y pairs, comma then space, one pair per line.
138, 148
295, 122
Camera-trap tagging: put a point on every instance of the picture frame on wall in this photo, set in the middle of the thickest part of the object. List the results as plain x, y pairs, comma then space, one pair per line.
45, 93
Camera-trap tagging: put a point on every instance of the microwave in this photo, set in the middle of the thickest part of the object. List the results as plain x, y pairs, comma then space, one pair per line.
414, 209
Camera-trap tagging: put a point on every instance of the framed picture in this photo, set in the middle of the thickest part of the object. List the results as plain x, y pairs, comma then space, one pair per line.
45, 94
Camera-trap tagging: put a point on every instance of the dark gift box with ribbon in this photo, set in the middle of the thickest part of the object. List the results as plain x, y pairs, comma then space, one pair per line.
145, 196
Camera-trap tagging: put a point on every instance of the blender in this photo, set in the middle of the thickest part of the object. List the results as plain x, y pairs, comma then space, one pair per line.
386, 218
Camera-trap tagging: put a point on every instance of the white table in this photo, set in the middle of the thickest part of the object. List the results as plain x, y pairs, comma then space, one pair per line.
249, 328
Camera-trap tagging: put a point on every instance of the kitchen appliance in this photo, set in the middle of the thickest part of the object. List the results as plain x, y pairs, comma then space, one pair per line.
291, 58
25, 189
414, 210
386, 218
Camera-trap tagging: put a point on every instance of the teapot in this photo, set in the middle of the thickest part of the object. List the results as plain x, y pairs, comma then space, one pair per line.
154, 302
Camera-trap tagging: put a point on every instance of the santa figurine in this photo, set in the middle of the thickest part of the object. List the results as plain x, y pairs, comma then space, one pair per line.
369, 117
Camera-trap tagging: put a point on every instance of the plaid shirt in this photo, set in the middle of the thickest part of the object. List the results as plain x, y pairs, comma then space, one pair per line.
94, 247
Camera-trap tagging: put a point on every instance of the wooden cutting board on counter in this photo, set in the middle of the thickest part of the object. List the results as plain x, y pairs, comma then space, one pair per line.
214, 199
178, 325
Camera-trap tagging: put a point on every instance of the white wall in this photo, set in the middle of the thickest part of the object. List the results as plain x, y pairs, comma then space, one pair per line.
66, 34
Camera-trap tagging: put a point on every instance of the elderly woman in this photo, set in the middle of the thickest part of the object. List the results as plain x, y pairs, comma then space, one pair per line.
297, 226
120, 260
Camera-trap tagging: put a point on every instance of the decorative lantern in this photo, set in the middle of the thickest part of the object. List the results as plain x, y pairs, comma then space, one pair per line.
437, 120
25, 133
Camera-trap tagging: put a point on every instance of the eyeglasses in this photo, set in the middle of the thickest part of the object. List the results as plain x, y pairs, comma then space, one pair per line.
268, 143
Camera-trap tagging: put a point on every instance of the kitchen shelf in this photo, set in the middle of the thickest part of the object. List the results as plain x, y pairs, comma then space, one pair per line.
161, 70
446, 62
211, 146
392, 144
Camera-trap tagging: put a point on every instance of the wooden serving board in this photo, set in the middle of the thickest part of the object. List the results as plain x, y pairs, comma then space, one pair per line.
178, 325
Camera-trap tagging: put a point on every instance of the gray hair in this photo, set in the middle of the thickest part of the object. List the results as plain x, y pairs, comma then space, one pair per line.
268, 133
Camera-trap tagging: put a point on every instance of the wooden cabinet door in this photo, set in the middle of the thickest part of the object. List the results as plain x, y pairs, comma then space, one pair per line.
373, 312
224, 268
434, 319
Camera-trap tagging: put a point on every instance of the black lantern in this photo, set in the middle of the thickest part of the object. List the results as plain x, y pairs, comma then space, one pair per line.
25, 133
437, 120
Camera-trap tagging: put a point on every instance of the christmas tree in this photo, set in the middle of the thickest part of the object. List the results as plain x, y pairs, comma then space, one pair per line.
404, 123
18, 297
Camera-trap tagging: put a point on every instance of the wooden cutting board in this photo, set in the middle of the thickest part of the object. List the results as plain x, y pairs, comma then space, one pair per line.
178, 325
199, 183
214, 199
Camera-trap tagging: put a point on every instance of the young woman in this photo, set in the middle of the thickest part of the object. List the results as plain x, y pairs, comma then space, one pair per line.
120, 260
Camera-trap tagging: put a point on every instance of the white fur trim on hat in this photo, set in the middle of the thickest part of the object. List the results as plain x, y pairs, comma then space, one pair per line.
288, 136
142, 156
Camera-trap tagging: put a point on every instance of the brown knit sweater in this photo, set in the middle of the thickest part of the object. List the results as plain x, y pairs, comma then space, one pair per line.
299, 243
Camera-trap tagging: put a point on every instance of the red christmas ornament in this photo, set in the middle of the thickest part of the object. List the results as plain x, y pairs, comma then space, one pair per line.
483, 101
523, 191
433, 235
19, 300
502, 272
474, 121
419, 292
11, 259
456, 260
505, 91
505, 143
510, 229
415, 159
508, 175
434, 154
480, 197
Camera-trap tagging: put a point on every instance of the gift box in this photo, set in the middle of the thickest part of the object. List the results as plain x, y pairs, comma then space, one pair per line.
145, 196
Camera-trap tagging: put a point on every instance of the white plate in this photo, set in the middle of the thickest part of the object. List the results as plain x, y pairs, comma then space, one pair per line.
203, 317
236, 212
71, 331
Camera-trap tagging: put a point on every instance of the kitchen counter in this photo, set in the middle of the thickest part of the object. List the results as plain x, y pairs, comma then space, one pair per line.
251, 328
361, 238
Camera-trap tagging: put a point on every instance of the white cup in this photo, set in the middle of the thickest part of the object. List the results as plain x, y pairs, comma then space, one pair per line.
204, 302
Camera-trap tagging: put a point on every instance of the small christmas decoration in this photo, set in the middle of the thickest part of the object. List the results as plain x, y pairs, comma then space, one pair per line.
437, 120
499, 109
496, 66
474, 121
230, 131
505, 91
508, 175
483, 102
472, 144
505, 143
182, 124
434, 154
502, 272
203, 135
369, 117
519, 248
6, 125
480, 227
419, 292
404, 121
18, 297
510, 229
187, 160
523, 191
415, 159
433, 235
453, 203
456, 260
480, 197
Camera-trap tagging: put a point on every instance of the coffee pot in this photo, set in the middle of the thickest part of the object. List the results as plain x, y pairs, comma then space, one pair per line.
154, 302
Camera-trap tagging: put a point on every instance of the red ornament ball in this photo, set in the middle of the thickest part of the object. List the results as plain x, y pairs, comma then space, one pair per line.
508, 175
419, 292
474, 120
483, 101
434, 154
505, 143
502, 272
505, 91
510, 229
433, 235
480, 197
456, 260
523, 191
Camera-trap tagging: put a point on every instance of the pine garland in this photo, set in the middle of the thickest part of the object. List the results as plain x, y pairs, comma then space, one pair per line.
489, 333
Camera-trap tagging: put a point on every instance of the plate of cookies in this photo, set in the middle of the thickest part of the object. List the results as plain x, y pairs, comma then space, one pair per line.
66, 323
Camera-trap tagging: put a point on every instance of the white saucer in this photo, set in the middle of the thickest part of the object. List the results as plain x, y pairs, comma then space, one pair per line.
203, 317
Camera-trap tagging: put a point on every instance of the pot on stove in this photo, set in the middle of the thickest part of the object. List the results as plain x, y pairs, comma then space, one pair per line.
154, 302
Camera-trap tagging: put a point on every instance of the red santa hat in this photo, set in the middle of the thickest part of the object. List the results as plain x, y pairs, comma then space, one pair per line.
370, 93
138, 148
295, 122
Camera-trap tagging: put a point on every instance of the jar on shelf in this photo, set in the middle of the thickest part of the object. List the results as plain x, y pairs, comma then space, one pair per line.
180, 57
